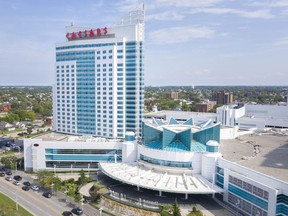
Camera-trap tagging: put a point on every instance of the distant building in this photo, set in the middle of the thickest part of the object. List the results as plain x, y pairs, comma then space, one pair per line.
222, 97
5, 107
172, 95
205, 107
253, 116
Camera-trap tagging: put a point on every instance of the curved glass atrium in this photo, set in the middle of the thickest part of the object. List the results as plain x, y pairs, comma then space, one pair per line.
175, 136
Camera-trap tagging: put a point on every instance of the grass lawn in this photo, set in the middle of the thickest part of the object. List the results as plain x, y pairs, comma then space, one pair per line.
8, 207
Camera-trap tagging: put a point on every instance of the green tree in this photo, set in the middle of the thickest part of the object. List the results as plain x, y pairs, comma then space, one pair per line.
52, 181
82, 179
9, 161
176, 209
41, 175
29, 130
10, 118
78, 198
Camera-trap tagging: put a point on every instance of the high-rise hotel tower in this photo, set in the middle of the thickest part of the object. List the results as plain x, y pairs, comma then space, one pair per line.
99, 79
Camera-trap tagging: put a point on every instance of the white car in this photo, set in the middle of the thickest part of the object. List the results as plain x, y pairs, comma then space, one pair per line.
35, 188
16, 183
8, 178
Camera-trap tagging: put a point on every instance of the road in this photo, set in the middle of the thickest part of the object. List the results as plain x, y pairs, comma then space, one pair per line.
38, 205
31, 200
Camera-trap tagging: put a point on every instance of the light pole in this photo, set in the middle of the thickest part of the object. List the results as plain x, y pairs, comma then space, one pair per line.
88, 169
237, 205
82, 204
52, 187
16, 200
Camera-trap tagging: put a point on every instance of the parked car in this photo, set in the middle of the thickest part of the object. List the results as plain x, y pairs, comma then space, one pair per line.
35, 188
18, 178
27, 183
77, 211
47, 194
25, 188
16, 183
8, 172
8, 178
2, 174
67, 213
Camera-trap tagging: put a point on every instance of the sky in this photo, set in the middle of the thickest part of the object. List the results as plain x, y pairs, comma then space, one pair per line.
187, 42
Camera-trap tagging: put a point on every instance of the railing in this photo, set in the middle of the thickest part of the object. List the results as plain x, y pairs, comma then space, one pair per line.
141, 203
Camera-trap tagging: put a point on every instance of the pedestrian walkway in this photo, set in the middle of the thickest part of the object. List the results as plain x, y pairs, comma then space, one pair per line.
84, 190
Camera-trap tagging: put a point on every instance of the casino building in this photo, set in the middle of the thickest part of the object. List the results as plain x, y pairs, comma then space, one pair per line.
99, 79
97, 111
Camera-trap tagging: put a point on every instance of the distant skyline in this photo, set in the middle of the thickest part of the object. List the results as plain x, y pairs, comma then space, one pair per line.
188, 42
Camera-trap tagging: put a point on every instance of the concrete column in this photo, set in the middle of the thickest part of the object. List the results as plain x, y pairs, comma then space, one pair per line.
138, 188
160, 193
186, 196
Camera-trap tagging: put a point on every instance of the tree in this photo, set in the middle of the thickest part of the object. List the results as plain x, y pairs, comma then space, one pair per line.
78, 198
176, 209
41, 175
10, 118
29, 130
82, 179
9, 161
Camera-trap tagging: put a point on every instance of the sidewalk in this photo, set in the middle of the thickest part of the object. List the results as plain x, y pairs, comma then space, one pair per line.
84, 190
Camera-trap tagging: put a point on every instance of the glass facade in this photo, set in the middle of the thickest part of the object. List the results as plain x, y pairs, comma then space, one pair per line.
166, 162
247, 197
96, 80
179, 139
79, 158
282, 205
220, 177
212, 133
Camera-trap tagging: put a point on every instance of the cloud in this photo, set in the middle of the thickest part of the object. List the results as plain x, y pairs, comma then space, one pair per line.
275, 3
264, 14
281, 42
169, 15
180, 34
128, 5
188, 3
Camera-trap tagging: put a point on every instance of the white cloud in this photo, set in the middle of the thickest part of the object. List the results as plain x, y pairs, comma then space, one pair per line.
264, 14
275, 3
169, 15
281, 42
180, 34
188, 3
126, 6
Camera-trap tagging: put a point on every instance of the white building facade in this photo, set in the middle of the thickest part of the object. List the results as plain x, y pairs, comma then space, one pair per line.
173, 158
99, 79
254, 116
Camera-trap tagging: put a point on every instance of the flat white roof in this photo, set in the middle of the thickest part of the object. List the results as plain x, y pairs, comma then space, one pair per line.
173, 180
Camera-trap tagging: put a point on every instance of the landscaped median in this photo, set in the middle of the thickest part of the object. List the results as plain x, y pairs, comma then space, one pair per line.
8, 207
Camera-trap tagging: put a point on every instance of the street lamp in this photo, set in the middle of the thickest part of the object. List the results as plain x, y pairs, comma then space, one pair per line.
88, 169
16, 200
237, 205
82, 203
52, 187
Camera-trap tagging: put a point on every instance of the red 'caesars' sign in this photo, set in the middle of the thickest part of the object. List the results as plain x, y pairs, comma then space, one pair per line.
86, 33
